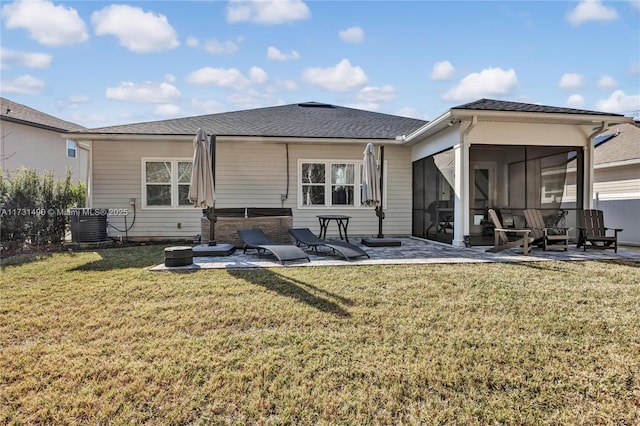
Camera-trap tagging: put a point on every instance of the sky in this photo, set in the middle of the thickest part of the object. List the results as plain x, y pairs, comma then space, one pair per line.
100, 63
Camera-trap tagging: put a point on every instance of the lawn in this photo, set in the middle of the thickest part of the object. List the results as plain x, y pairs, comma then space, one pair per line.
95, 338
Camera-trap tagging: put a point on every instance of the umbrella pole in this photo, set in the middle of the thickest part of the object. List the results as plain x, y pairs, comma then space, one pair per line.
212, 210
379, 210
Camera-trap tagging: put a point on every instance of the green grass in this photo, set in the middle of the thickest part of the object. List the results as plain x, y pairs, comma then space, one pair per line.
94, 338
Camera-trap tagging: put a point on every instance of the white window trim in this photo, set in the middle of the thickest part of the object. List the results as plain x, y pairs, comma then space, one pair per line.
327, 193
174, 182
74, 147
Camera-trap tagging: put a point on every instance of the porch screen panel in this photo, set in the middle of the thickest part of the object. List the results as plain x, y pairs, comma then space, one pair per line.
546, 176
418, 199
433, 197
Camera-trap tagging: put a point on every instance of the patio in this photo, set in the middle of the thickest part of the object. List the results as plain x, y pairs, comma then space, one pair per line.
412, 251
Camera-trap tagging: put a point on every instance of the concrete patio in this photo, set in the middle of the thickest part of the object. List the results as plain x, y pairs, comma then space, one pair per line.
413, 251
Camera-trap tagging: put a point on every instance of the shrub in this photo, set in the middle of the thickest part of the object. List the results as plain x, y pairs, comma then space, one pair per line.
33, 207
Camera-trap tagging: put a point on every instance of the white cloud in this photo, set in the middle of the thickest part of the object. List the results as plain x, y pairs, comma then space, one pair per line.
147, 92
258, 75
169, 78
591, 10
275, 54
46, 23
487, 83
442, 71
635, 3
620, 103
341, 78
192, 42
137, 30
352, 35
253, 99
575, 101
167, 110
377, 94
9, 58
25, 85
267, 12
230, 78
571, 81
607, 82
216, 47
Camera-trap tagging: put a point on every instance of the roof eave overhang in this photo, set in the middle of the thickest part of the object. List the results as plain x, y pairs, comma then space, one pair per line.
455, 116
539, 117
32, 124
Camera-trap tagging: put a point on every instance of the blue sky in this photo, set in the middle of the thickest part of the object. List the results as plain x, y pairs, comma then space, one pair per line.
105, 63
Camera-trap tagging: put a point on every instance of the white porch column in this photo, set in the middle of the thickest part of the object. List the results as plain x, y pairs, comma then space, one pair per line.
461, 189
588, 175
588, 164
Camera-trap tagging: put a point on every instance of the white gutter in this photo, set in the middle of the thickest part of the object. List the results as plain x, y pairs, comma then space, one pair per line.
428, 129
227, 138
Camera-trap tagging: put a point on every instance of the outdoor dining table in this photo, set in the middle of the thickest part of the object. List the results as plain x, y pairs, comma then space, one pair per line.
341, 220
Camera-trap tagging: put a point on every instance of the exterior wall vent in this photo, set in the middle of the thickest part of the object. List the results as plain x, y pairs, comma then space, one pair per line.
315, 105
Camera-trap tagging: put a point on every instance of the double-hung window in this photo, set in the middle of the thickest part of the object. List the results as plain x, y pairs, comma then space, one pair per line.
72, 149
166, 182
330, 183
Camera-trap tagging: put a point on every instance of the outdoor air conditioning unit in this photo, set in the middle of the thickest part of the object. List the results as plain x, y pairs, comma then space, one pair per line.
88, 225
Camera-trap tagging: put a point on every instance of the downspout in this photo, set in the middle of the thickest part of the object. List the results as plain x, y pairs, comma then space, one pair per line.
588, 178
462, 214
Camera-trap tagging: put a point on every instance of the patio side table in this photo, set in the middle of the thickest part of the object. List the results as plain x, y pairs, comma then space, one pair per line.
341, 220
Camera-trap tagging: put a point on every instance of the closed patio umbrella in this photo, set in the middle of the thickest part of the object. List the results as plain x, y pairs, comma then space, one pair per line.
201, 189
370, 179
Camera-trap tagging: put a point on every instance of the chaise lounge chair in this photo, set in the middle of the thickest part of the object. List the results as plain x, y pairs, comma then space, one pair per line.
502, 242
593, 233
544, 236
304, 237
255, 239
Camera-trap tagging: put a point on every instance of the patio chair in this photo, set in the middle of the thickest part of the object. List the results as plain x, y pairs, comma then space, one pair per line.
304, 237
255, 239
593, 233
502, 241
544, 236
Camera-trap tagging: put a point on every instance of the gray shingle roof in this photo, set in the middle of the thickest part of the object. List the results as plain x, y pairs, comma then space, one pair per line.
19, 113
309, 120
623, 146
494, 105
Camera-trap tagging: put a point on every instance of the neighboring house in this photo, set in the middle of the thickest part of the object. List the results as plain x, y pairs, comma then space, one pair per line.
617, 179
33, 139
440, 177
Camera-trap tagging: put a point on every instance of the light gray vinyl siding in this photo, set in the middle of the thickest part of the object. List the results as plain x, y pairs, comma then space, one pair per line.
249, 174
